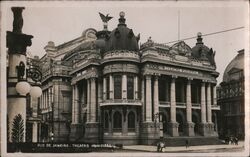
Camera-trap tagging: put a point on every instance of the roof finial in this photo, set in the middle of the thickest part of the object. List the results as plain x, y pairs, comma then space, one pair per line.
199, 38
122, 19
105, 20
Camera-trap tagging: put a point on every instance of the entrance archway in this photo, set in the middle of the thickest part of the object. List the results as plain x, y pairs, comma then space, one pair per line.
164, 120
195, 119
180, 120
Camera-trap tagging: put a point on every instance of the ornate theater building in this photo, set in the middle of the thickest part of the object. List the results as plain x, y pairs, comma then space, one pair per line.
231, 98
104, 87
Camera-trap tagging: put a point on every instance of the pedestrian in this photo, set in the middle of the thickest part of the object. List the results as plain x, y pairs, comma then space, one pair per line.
160, 146
235, 140
187, 143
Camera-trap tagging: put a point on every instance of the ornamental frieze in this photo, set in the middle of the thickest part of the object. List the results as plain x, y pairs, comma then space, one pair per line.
86, 74
130, 68
121, 53
156, 69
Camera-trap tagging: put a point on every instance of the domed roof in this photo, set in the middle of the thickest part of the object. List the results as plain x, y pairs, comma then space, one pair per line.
122, 37
235, 65
201, 51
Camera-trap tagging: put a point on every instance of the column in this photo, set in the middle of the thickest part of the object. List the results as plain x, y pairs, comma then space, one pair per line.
111, 87
104, 88
188, 102
173, 125
148, 99
88, 100
135, 87
34, 132
93, 100
156, 97
189, 126
143, 98
124, 86
172, 101
203, 103
73, 105
99, 100
214, 95
77, 105
49, 99
209, 115
204, 128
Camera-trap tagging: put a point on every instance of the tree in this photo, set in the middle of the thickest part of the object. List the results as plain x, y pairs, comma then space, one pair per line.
17, 134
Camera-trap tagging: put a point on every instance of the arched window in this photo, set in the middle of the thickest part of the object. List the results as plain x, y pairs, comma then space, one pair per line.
106, 121
131, 121
117, 121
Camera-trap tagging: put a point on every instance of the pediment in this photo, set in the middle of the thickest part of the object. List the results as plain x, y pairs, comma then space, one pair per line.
181, 48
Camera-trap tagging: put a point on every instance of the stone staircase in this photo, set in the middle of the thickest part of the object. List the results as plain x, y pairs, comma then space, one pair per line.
193, 141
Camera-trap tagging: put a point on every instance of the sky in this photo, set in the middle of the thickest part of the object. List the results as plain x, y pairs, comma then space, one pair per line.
63, 21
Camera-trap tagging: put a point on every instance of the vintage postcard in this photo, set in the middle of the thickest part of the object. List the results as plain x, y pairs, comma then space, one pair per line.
125, 78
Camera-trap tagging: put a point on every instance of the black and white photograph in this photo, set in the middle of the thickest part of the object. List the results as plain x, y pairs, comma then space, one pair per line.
124, 78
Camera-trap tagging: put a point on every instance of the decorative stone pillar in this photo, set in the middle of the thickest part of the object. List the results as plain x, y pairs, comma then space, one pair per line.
124, 86
150, 130
203, 125
209, 115
88, 100
143, 98
17, 43
77, 105
209, 111
92, 127
156, 99
104, 89
135, 87
100, 94
73, 104
189, 124
148, 99
93, 100
173, 125
203, 103
76, 128
34, 132
111, 87
214, 95
173, 101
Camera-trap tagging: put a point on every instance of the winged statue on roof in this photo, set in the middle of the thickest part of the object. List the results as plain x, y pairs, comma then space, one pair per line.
105, 20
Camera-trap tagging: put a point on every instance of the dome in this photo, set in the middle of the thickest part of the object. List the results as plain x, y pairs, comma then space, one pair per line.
235, 65
201, 51
122, 38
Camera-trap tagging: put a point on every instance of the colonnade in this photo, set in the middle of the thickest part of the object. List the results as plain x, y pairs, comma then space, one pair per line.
205, 104
91, 101
46, 98
124, 87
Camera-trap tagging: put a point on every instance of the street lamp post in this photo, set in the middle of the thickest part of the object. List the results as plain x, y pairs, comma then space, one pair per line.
18, 87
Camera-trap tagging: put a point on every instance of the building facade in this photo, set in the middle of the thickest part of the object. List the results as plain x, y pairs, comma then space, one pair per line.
104, 87
231, 98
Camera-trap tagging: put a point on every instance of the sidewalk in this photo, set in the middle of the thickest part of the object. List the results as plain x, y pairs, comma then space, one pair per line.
147, 148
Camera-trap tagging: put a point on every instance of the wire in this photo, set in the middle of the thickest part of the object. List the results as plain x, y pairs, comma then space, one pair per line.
206, 34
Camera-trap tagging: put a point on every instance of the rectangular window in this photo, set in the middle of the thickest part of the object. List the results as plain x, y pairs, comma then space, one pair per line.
130, 87
107, 88
117, 86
